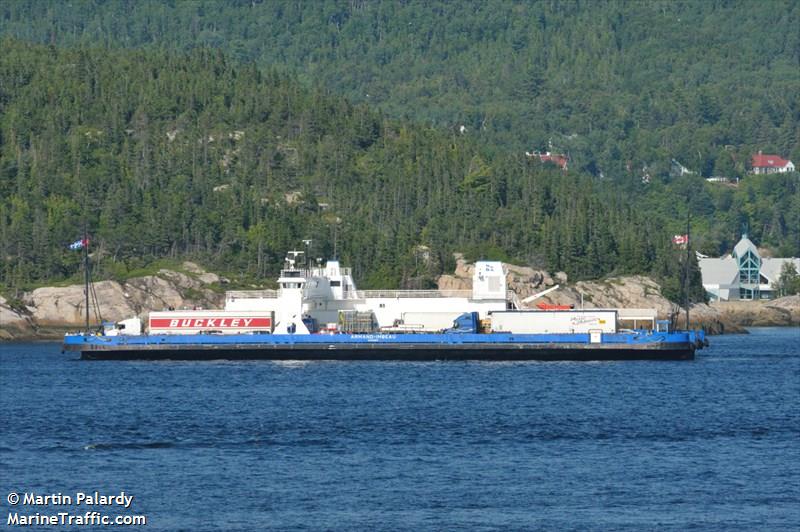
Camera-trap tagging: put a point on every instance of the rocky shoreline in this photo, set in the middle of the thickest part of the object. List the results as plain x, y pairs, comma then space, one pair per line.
46, 313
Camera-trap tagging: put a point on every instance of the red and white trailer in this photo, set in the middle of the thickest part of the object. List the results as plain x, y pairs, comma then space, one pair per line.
210, 321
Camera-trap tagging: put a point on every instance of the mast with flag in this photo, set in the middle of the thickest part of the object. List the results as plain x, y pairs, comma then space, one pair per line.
83, 244
688, 257
686, 272
682, 241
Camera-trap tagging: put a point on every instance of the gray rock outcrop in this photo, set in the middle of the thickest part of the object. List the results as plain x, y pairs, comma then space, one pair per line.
49, 310
635, 291
777, 312
66, 306
13, 322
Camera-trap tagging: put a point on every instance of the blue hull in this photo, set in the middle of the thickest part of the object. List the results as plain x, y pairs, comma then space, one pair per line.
447, 346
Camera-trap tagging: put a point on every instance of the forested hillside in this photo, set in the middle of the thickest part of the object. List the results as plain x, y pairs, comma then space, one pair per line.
195, 155
623, 87
229, 131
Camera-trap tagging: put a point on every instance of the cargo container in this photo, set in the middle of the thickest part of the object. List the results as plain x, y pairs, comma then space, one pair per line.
556, 322
352, 321
210, 321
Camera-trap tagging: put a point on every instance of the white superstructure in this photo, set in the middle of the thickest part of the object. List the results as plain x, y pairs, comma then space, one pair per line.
325, 299
324, 293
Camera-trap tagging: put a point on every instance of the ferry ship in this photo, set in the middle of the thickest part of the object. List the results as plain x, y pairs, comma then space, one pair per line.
317, 313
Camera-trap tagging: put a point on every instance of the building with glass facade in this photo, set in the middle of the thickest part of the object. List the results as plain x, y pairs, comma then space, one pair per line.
742, 275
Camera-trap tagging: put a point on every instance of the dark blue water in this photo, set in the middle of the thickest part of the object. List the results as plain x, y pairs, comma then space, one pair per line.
712, 444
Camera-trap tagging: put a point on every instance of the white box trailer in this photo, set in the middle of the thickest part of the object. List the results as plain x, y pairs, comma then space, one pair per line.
554, 321
429, 321
210, 321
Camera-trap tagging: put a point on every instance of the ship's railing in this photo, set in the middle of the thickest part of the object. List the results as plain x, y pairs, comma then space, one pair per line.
251, 294
323, 272
364, 294
397, 294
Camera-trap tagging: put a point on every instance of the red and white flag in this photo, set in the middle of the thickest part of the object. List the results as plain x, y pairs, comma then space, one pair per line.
680, 240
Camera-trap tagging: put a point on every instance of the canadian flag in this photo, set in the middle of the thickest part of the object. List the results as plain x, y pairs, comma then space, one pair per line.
680, 240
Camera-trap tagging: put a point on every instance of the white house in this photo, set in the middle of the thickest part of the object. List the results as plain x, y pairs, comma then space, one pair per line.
770, 164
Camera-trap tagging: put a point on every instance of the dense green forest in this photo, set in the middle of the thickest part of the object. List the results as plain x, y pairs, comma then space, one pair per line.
229, 131
197, 155
618, 85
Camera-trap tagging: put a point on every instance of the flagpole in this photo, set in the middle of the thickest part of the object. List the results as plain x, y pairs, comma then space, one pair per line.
86, 276
688, 255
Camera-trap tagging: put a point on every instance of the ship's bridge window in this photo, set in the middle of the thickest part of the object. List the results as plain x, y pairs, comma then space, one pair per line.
291, 285
336, 283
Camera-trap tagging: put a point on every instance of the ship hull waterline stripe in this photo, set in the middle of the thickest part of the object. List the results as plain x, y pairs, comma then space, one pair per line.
409, 352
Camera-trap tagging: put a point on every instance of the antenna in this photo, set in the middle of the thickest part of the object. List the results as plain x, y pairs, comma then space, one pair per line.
307, 243
336, 236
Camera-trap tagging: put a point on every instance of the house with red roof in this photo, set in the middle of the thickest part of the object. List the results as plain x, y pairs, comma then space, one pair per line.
547, 157
770, 164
